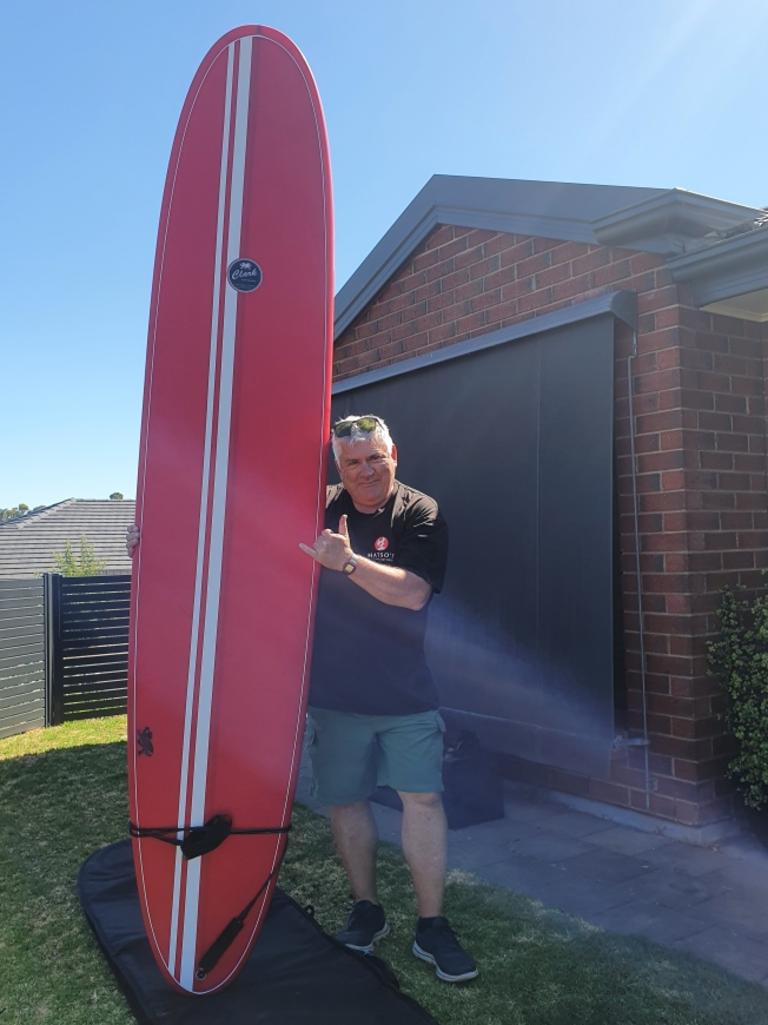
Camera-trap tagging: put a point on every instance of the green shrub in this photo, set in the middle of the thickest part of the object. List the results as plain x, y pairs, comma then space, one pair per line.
86, 565
739, 658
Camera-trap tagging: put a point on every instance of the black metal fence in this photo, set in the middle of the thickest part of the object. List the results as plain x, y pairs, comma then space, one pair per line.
87, 658
63, 649
22, 655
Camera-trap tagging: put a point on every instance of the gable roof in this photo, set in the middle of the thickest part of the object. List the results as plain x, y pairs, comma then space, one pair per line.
29, 544
654, 220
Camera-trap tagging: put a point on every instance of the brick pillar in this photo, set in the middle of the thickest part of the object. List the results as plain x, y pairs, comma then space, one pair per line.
699, 407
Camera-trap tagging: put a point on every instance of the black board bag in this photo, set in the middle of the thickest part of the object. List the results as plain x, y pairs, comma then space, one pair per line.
296, 974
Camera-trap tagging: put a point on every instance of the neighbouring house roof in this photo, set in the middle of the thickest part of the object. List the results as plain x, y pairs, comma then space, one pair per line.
665, 221
29, 544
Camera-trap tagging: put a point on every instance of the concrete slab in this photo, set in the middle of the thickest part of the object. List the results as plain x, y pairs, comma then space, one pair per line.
535, 812
578, 823
553, 885
683, 857
604, 866
543, 844
674, 891
650, 920
548, 845
749, 875
508, 828
628, 841
730, 908
745, 848
474, 857
730, 949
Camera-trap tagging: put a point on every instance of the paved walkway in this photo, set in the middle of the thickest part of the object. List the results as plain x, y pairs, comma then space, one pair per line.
709, 901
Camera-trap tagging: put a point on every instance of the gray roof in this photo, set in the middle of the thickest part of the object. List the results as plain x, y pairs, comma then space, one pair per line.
29, 544
665, 221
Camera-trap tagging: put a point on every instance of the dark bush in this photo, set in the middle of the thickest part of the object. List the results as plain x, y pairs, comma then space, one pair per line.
739, 658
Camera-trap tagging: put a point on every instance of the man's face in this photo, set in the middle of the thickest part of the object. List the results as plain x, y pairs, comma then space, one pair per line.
367, 472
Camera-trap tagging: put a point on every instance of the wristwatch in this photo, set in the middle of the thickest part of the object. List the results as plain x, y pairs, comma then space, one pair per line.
350, 565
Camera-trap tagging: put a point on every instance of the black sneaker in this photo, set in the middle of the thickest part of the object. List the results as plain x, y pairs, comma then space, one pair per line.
436, 942
365, 926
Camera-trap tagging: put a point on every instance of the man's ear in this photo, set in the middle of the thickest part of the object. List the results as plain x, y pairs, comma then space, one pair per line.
394, 452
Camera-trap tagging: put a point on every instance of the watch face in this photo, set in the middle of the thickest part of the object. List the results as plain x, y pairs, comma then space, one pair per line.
349, 567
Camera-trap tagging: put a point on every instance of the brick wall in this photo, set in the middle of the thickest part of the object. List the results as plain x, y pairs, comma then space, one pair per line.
699, 406
463, 282
699, 387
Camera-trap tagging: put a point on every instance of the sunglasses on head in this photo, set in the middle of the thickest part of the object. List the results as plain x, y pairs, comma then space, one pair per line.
344, 428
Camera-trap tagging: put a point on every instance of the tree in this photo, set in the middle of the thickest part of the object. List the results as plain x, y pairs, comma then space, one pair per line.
116, 496
16, 511
87, 565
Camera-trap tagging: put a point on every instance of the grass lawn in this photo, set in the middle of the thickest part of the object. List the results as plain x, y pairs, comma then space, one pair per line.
63, 794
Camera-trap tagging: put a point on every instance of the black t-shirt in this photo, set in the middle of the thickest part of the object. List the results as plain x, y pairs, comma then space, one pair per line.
369, 656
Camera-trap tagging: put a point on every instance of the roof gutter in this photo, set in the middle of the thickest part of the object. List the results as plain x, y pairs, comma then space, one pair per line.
729, 268
669, 222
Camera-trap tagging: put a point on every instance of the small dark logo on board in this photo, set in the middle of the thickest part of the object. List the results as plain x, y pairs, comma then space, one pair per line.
144, 742
244, 275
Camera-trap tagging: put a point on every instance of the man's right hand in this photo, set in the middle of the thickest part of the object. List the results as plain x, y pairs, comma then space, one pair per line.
132, 538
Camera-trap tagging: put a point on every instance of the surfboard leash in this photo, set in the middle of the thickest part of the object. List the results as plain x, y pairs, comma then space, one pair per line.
211, 957
199, 840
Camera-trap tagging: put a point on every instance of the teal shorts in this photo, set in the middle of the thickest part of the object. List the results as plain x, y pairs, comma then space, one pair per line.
352, 754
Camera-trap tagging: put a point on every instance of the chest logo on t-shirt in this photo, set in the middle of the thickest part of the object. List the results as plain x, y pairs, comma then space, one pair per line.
381, 544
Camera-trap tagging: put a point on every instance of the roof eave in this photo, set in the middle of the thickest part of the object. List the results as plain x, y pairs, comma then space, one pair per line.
726, 269
667, 222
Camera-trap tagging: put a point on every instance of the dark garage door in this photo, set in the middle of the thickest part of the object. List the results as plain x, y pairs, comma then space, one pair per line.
515, 440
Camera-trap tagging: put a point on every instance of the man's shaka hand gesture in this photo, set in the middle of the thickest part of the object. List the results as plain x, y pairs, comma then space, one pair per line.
331, 550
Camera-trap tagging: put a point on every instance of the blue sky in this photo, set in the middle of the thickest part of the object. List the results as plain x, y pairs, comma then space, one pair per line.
658, 94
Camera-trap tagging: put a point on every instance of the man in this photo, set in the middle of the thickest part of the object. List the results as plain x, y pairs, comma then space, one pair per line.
373, 704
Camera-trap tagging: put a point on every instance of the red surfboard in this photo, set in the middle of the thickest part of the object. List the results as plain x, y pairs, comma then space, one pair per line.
231, 478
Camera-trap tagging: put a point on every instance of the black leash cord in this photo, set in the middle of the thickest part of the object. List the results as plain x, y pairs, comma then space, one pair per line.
211, 957
198, 840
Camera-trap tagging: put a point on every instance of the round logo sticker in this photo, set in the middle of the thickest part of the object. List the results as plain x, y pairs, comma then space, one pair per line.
381, 544
244, 275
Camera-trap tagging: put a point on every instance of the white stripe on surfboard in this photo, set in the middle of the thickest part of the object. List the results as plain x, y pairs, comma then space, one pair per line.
218, 515
203, 519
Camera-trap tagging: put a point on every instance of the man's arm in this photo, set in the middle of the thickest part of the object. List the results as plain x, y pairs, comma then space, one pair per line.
391, 585
388, 584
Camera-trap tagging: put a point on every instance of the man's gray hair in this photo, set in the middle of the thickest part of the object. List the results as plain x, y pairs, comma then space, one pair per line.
379, 433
